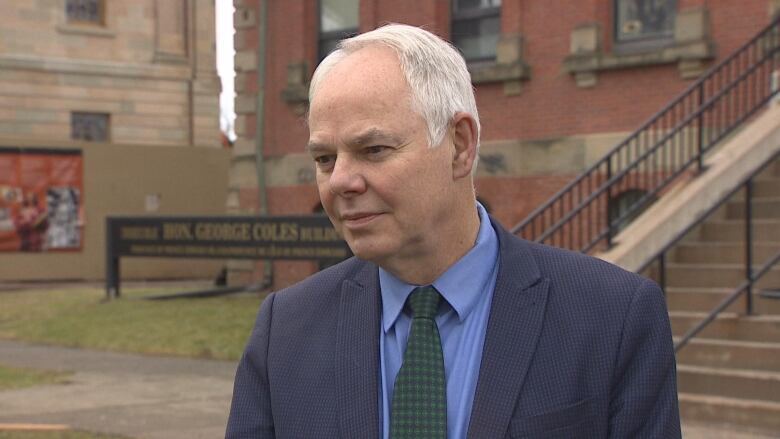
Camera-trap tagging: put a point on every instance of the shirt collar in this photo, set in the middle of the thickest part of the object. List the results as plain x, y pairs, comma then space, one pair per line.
462, 283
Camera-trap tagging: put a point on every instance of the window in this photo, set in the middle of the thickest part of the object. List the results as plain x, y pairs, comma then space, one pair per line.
623, 209
476, 26
85, 11
338, 20
644, 20
90, 127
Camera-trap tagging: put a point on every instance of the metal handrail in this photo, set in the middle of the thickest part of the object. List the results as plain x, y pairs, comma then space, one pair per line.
745, 286
752, 276
679, 136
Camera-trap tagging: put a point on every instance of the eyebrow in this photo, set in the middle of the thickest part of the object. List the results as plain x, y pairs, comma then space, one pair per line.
367, 137
373, 135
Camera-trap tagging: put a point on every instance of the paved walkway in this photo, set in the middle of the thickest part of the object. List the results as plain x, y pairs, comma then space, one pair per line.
145, 397
133, 395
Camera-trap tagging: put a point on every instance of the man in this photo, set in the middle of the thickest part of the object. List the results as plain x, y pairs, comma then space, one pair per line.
532, 341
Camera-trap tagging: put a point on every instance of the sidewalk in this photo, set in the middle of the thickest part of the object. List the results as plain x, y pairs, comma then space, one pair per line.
137, 396
145, 397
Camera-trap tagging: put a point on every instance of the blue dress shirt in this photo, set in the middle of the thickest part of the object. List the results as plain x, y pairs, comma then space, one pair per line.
467, 287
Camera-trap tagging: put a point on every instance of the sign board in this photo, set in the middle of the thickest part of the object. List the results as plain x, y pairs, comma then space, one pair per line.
310, 237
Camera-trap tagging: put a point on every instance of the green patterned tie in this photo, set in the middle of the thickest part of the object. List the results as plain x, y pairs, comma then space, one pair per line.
419, 408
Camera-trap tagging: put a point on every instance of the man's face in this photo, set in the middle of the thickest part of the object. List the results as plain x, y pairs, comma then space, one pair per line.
381, 185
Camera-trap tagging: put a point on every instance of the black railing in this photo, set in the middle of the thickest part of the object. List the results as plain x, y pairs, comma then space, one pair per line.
752, 274
670, 147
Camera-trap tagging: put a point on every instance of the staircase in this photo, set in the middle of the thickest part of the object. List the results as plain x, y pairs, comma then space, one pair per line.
730, 373
688, 160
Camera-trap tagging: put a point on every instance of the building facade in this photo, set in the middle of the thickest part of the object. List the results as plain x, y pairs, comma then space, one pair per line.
558, 83
106, 108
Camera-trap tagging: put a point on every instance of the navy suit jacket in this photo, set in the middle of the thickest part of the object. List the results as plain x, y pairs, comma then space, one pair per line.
575, 348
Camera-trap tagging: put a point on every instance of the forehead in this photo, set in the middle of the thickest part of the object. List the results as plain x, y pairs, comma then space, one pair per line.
366, 81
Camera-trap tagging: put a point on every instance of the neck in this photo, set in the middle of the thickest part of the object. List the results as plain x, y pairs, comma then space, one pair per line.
455, 239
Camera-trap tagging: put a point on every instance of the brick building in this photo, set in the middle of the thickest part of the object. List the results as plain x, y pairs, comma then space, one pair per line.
557, 82
128, 89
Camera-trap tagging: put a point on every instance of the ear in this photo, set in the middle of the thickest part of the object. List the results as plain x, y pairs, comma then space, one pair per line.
464, 141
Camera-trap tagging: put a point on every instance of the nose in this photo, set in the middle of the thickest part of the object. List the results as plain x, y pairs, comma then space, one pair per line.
346, 179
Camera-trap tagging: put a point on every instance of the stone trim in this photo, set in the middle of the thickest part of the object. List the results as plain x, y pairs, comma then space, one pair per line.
85, 29
83, 67
498, 158
296, 92
691, 48
509, 67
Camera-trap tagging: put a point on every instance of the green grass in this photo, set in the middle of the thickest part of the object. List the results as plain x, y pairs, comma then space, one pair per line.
14, 378
204, 328
53, 435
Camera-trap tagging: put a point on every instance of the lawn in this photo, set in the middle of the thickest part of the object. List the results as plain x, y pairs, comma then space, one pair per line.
79, 317
13, 378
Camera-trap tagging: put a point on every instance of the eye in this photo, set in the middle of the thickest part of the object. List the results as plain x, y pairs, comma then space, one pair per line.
376, 150
325, 161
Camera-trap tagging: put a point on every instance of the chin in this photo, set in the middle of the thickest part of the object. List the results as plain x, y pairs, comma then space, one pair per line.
370, 251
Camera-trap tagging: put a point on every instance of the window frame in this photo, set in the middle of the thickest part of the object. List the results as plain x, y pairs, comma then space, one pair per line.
74, 114
100, 22
474, 15
643, 42
332, 35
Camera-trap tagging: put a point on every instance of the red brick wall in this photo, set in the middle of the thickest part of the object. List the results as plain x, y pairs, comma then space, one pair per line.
620, 102
550, 105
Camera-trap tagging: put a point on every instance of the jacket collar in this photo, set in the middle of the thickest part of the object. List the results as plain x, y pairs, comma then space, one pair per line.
514, 326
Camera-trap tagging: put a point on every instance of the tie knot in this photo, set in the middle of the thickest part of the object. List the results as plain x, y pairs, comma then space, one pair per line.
424, 302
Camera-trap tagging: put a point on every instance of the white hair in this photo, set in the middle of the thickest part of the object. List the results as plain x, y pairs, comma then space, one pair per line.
435, 71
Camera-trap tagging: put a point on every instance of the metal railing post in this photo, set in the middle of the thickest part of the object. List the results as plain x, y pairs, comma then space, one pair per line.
662, 272
749, 245
700, 139
609, 203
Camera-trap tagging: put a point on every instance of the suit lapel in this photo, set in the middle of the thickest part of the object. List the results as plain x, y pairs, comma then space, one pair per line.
514, 326
357, 362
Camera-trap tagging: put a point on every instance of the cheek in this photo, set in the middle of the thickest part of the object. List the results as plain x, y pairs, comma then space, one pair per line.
326, 197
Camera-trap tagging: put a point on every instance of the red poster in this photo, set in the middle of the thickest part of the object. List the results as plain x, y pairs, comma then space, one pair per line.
41, 200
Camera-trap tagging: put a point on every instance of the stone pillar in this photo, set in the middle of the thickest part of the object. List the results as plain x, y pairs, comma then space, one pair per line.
205, 87
243, 183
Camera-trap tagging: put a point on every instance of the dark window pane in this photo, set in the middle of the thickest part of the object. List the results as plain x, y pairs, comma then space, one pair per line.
476, 27
91, 127
338, 20
338, 15
469, 5
620, 207
90, 11
644, 19
477, 38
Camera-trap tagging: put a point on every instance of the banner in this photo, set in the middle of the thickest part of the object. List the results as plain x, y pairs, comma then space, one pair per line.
41, 199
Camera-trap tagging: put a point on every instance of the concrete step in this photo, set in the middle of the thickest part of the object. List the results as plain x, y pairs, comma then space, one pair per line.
692, 429
763, 207
730, 354
730, 383
706, 299
716, 275
723, 252
751, 414
766, 185
764, 230
729, 326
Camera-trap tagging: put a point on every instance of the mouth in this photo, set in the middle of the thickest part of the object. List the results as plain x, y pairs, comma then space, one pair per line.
358, 219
